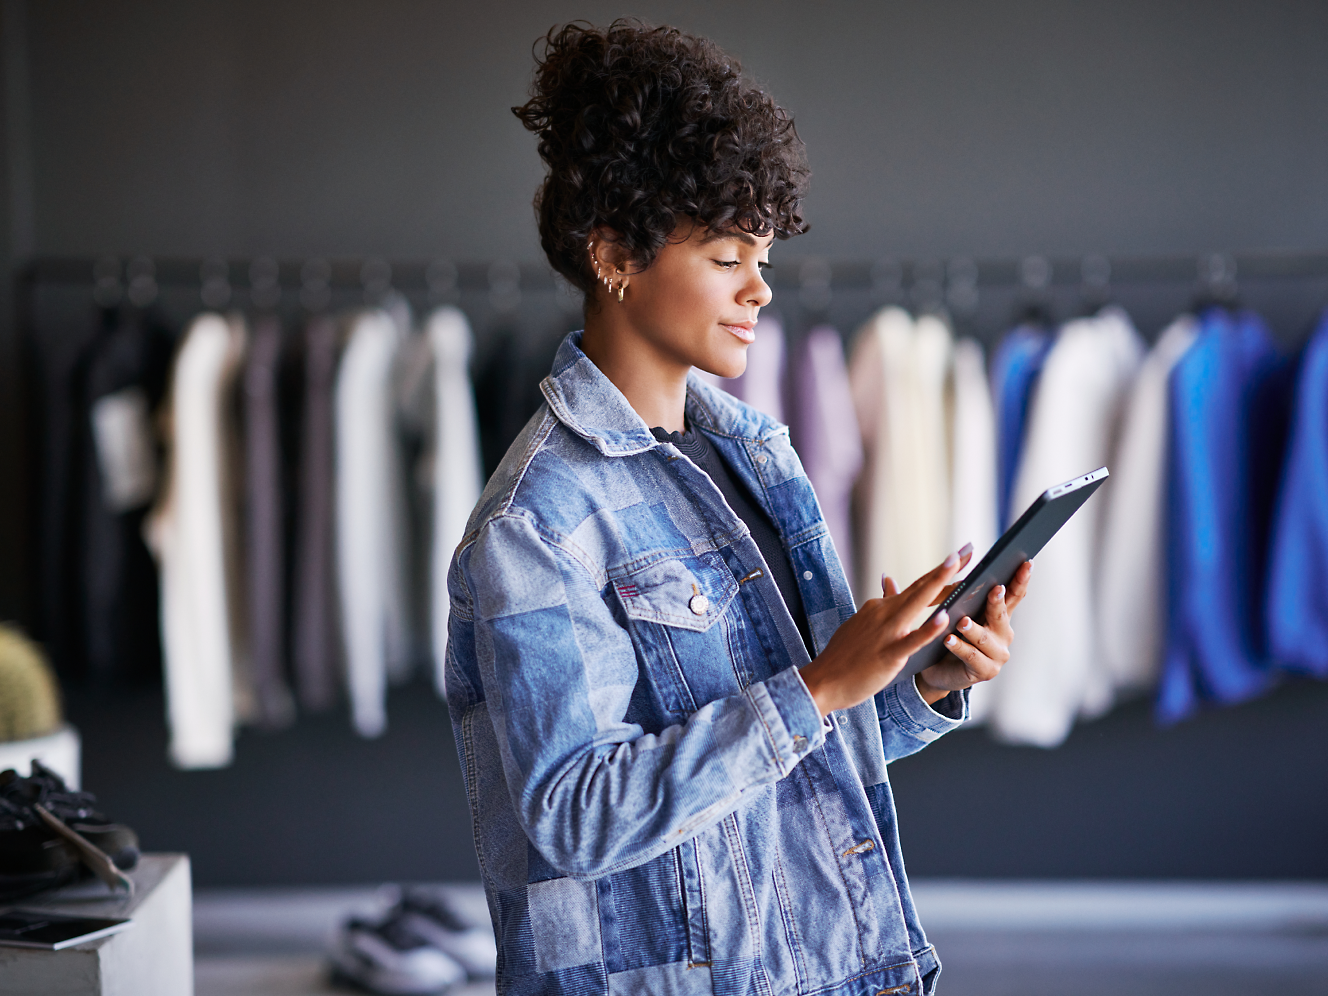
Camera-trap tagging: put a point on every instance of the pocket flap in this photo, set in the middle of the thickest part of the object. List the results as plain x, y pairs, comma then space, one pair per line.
690, 594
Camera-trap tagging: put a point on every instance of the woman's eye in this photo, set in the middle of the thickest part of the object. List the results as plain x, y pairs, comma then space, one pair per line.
727, 263
765, 264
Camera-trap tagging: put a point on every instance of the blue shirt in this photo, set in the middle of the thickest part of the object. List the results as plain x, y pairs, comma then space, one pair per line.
658, 805
1297, 600
1226, 440
1015, 367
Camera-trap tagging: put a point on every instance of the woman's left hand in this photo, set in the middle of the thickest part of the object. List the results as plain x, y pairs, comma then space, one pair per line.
977, 652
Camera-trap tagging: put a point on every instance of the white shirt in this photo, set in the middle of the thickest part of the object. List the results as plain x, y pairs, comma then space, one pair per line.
902, 504
371, 516
1055, 672
1131, 579
192, 532
458, 476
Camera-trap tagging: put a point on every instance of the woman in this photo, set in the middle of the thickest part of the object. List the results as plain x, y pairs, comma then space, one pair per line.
673, 724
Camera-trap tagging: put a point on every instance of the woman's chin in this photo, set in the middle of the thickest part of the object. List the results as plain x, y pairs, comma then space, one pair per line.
726, 363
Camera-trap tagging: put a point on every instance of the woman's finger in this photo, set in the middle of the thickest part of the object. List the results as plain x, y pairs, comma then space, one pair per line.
998, 613
910, 643
1019, 585
888, 587
980, 667
920, 594
984, 639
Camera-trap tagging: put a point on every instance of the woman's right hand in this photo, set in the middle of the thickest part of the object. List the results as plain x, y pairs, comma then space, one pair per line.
874, 644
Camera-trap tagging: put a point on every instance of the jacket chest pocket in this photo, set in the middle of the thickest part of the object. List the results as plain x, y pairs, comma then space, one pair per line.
679, 614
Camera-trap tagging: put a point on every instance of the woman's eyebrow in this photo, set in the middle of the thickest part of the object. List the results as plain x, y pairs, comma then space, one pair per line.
742, 237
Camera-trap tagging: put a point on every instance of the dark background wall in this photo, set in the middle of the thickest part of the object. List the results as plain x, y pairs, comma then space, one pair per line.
380, 128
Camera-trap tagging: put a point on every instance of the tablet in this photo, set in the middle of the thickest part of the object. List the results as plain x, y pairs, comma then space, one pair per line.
1022, 541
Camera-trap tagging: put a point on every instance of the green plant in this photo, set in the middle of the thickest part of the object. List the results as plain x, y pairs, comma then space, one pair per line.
29, 694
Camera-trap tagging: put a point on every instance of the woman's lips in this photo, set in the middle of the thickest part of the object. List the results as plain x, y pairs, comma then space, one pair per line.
742, 332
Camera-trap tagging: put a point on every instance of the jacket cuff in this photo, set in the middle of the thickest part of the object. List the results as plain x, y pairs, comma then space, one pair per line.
914, 716
790, 717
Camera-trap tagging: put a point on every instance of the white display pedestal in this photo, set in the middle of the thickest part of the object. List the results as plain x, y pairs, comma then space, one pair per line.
154, 957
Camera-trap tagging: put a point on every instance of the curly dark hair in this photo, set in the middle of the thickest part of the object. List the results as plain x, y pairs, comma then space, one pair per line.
643, 128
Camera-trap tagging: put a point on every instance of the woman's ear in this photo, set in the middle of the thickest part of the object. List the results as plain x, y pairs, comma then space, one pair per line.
608, 257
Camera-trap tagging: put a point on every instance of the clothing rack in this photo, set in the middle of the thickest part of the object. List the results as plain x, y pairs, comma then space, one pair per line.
982, 294
442, 275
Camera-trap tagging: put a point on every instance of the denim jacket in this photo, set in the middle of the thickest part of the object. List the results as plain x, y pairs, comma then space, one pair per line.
659, 807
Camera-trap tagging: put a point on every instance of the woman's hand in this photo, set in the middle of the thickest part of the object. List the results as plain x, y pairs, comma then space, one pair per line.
977, 652
872, 646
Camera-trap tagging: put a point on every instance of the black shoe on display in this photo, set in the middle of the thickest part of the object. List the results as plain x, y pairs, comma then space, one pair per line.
33, 857
389, 958
431, 916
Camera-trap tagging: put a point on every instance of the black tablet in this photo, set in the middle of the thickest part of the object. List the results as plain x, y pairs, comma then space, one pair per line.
1021, 542
54, 931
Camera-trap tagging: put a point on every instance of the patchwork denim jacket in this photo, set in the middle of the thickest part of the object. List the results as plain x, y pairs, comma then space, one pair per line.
658, 806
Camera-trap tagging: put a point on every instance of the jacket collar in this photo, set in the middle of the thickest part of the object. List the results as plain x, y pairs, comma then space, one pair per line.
588, 403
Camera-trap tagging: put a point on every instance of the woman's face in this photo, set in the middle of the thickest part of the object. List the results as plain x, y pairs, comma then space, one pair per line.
697, 303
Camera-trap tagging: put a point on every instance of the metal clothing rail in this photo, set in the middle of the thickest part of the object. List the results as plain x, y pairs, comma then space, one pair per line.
982, 295
442, 275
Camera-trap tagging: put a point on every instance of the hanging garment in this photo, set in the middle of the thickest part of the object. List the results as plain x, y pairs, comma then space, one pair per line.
898, 374
1132, 571
457, 475
316, 637
761, 385
973, 515
824, 431
413, 394
125, 379
1297, 599
370, 513
191, 530
264, 530
1054, 673
1225, 446
1014, 372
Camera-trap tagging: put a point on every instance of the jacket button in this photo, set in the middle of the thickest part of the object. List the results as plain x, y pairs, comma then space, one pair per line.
762, 458
699, 604
806, 575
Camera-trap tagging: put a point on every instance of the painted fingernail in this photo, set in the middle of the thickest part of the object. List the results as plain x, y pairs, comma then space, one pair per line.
950, 640
998, 591
942, 619
965, 550
951, 560
1030, 567
965, 623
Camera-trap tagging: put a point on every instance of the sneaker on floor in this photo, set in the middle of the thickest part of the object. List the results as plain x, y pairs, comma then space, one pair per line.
431, 917
389, 958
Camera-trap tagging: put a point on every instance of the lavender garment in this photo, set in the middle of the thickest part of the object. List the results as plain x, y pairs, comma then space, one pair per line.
824, 430
316, 639
264, 540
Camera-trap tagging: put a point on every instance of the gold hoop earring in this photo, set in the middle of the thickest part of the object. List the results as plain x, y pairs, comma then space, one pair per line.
622, 289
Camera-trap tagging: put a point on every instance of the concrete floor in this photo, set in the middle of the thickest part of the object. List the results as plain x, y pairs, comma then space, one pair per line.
995, 938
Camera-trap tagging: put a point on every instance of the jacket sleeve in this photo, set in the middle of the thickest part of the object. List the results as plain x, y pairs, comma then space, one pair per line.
908, 723
593, 792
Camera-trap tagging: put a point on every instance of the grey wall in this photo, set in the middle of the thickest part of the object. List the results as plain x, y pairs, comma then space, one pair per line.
380, 127
356, 127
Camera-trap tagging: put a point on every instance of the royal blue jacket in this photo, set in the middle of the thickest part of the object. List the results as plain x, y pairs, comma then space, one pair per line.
658, 805
1297, 600
1015, 368
1227, 432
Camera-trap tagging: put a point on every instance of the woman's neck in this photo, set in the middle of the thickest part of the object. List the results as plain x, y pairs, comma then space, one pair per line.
653, 382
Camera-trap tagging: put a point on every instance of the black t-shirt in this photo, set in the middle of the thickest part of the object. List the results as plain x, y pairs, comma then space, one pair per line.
695, 446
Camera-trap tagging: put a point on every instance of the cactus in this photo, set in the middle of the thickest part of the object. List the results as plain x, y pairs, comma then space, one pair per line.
29, 694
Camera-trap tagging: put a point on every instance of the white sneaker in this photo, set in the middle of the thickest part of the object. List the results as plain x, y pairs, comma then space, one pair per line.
388, 957
431, 917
